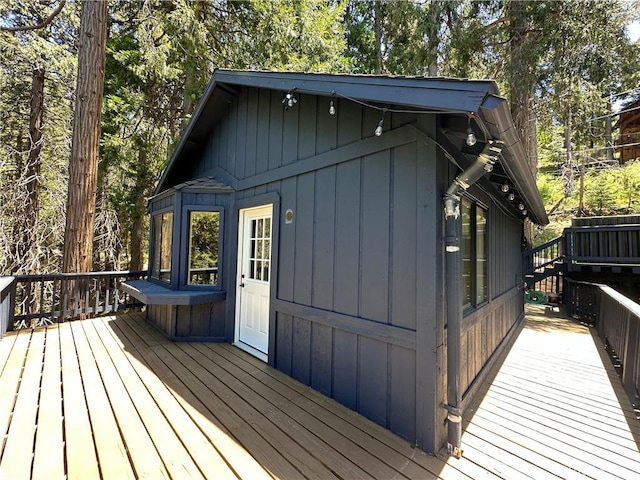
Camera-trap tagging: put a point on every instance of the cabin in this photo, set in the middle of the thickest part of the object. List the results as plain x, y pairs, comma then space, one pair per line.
362, 234
628, 125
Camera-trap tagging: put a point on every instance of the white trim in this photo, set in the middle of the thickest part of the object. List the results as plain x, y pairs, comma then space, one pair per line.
239, 267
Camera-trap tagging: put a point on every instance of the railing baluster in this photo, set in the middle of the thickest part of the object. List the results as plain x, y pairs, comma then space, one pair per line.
66, 296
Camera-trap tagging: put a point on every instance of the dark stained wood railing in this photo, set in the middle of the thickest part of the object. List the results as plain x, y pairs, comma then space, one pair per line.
543, 255
543, 266
7, 286
47, 298
617, 320
614, 245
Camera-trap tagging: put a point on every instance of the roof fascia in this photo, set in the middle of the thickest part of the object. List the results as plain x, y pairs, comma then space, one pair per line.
497, 119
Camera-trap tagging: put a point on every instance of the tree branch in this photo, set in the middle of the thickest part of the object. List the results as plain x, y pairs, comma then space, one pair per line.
42, 24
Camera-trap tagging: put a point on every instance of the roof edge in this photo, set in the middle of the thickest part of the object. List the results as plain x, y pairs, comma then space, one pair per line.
496, 115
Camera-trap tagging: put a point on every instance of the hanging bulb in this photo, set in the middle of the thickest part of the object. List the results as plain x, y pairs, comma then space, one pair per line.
504, 187
378, 131
471, 138
332, 108
521, 206
524, 212
289, 100
511, 197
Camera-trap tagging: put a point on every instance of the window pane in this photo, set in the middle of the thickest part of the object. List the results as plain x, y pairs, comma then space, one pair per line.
481, 255
165, 248
156, 247
465, 251
161, 247
204, 229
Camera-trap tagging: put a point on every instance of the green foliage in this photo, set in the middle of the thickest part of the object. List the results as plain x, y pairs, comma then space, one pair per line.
550, 189
297, 35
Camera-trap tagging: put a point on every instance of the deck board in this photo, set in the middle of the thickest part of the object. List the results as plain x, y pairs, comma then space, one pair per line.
145, 459
111, 451
80, 452
111, 398
49, 446
21, 433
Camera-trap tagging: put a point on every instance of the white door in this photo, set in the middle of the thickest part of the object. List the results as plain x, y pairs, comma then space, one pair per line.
254, 269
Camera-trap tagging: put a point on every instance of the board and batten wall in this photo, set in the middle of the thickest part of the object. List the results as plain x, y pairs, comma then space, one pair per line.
355, 313
358, 312
484, 329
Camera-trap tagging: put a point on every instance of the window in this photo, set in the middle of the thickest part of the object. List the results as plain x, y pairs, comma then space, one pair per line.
161, 248
204, 235
260, 249
473, 248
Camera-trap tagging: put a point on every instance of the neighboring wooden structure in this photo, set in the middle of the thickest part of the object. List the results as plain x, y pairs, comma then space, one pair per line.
628, 142
603, 250
329, 258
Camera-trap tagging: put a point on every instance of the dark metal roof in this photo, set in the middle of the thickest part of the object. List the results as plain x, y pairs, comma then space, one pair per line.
439, 95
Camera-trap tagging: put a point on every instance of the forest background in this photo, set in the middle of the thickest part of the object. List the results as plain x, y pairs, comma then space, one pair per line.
566, 68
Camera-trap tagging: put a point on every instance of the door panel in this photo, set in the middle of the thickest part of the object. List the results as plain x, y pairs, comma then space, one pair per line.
254, 258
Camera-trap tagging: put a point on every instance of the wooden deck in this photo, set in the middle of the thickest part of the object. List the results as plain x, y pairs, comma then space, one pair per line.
110, 398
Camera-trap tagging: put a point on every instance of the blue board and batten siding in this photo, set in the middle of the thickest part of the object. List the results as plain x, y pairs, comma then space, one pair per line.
349, 295
357, 311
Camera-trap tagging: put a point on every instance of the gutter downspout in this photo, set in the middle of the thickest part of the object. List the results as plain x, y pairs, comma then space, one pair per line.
451, 201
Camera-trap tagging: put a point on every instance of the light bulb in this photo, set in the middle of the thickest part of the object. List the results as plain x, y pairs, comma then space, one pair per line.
378, 131
332, 108
521, 206
504, 187
290, 100
511, 197
524, 212
471, 138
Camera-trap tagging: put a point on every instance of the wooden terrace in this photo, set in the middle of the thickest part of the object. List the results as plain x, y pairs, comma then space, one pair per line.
111, 398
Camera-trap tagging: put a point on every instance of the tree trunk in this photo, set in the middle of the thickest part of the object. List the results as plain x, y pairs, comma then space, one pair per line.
33, 172
137, 218
83, 164
378, 21
521, 96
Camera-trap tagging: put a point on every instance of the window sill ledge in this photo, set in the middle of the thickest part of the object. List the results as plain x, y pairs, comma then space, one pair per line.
154, 294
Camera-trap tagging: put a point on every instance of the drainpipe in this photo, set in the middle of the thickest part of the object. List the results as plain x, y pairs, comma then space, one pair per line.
483, 164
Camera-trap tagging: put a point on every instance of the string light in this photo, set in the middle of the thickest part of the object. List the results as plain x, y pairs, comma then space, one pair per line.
378, 131
471, 137
289, 100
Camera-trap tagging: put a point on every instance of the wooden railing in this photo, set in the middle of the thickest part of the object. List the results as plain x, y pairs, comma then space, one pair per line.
47, 298
7, 286
542, 266
617, 319
543, 255
616, 245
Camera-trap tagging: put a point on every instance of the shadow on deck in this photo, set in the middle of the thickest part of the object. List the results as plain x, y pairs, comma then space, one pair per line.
111, 398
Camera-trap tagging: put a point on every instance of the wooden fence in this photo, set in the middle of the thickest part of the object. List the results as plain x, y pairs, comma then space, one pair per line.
39, 299
617, 245
617, 319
